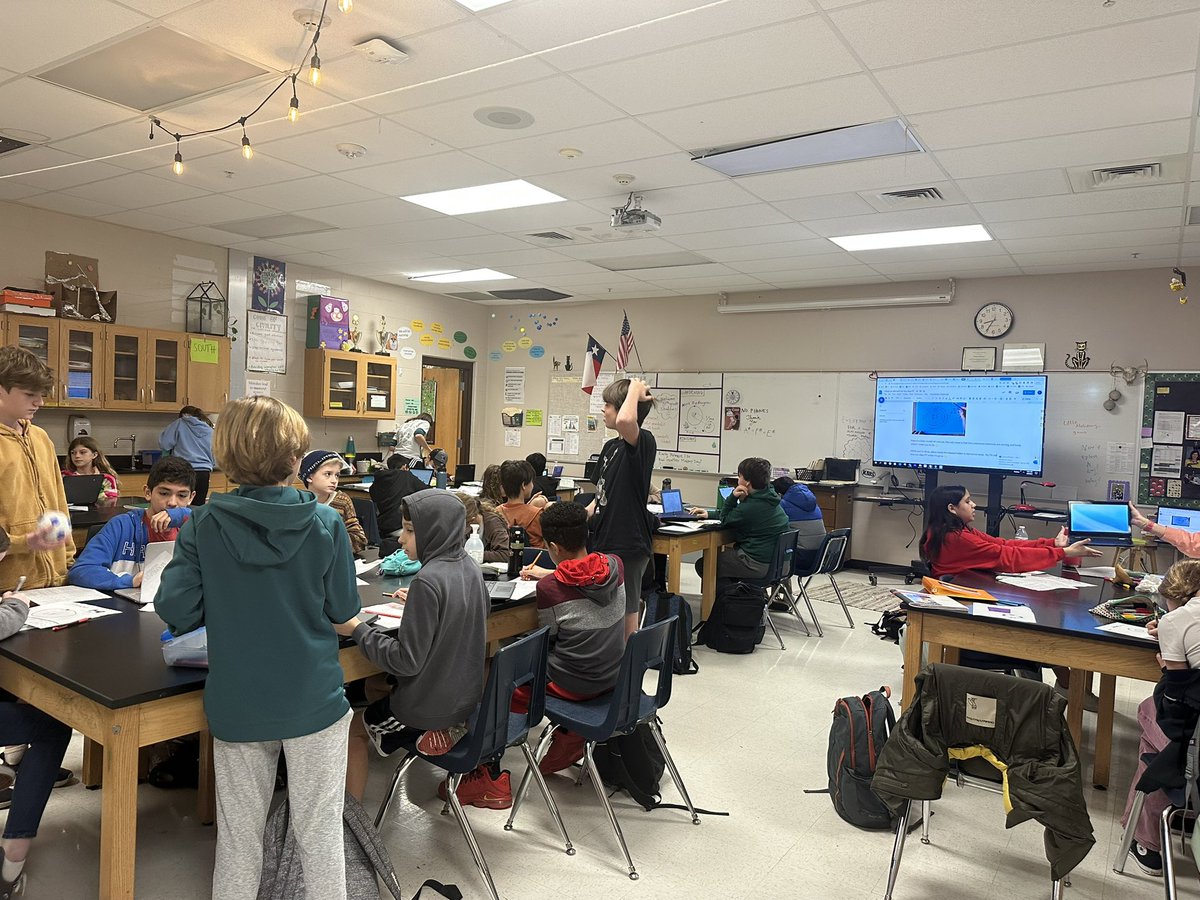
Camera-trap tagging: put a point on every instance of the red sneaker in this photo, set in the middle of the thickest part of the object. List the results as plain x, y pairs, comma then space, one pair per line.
566, 749
479, 789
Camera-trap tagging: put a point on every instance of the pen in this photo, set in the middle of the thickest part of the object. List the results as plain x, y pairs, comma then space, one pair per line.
1010, 603
20, 584
69, 625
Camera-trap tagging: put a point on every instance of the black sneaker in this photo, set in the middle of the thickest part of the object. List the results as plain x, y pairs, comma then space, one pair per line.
64, 778
1149, 861
779, 606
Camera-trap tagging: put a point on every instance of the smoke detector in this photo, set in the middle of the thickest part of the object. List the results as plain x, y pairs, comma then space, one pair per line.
310, 18
352, 151
624, 179
570, 152
377, 50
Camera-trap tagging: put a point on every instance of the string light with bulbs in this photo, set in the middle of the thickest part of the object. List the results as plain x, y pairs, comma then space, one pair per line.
293, 113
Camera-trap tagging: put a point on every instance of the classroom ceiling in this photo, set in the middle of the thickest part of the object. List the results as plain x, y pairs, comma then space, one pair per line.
1015, 103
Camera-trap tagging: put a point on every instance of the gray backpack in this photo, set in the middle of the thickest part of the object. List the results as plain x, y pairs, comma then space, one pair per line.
366, 859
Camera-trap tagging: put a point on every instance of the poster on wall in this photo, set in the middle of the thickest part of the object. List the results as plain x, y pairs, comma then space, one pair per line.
266, 342
514, 384
267, 285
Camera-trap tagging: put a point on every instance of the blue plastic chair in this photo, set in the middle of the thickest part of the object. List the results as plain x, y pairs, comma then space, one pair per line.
618, 712
829, 559
774, 581
492, 729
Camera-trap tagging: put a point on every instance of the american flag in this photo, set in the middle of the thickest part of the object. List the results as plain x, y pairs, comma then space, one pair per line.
626, 344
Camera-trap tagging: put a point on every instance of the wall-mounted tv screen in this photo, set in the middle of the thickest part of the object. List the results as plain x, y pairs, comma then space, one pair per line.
964, 423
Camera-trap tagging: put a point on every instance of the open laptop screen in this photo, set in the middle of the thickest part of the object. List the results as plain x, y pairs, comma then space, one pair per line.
1098, 518
672, 502
1186, 519
425, 475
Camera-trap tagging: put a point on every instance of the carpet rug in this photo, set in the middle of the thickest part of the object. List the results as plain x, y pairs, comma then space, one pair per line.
857, 594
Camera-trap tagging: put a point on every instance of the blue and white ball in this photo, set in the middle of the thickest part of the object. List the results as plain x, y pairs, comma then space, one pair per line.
54, 526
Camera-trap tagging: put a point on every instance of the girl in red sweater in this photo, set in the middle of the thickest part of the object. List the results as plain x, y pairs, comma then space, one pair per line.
951, 545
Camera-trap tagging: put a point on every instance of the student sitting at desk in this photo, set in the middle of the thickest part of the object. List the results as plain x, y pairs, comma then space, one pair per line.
113, 558
493, 530
493, 491
800, 505
546, 485
752, 512
84, 457
47, 739
388, 490
319, 472
520, 507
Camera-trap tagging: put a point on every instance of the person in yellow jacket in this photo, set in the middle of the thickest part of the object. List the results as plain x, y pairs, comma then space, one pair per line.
30, 482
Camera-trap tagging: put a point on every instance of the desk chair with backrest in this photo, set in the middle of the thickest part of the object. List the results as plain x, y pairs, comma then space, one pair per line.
618, 712
779, 572
492, 729
829, 559
1019, 727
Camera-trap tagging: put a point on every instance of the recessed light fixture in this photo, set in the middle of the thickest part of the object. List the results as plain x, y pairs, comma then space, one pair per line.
503, 117
477, 5
485, 198
465, 275
920, 237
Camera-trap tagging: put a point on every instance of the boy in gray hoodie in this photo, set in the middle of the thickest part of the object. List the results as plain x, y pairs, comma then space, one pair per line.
437, 654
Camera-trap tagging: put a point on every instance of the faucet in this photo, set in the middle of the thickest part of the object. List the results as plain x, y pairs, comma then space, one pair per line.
133, 460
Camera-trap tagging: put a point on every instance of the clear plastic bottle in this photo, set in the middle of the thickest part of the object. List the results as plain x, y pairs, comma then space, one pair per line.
475, 545
1022, 534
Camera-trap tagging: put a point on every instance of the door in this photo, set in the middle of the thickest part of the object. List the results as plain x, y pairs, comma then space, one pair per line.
125, 367
39, 335
208, 377
80, 368
166, 374
450, 381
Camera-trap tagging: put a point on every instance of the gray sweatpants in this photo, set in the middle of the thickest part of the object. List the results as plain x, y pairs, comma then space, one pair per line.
245, 780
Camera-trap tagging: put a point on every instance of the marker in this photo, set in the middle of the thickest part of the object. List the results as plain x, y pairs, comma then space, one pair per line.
20, 584
69, 625
1010, 603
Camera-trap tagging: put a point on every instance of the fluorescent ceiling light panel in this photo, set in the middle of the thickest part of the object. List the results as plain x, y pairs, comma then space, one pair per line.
485, 198
887, 138
477, 5
465, 275
920, 237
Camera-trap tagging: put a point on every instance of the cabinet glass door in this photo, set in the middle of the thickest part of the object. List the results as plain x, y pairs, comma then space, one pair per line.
40, 337
342, 389
126, 380
380, 389
166, 370
81, 366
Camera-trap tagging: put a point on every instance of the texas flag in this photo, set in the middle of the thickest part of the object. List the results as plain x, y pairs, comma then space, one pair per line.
591, 368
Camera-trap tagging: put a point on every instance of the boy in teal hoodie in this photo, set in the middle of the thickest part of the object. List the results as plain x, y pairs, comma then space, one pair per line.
267, 569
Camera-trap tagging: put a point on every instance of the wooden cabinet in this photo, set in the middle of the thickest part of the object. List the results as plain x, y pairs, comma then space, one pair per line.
125, 375
38, 335
166, 370
80, 370
340, 385
207, 381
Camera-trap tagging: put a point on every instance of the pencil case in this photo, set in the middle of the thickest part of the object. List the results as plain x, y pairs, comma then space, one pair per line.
189, 649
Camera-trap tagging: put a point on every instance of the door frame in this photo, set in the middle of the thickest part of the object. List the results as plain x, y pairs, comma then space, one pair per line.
466, 370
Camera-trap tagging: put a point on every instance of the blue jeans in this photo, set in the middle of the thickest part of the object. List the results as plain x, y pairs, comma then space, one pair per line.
48, 738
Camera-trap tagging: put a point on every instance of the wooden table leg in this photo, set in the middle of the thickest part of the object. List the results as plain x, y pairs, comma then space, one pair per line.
93, 764
933, 652
673, 565
1081, 681
950, 655
913, 639
708, 589
1104, 727
118, 806
206, 795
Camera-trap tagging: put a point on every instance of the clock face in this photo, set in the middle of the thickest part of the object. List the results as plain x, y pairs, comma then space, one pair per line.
993, 320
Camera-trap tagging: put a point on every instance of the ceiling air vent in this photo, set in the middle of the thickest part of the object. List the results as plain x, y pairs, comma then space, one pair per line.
1193, 215
552, 236
911, 196
473, 296
529, 294
7, 144
1126, 175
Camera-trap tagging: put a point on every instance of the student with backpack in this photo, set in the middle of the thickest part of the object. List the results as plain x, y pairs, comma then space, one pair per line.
267, 569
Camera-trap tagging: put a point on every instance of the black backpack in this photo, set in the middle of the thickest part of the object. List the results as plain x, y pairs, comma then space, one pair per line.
861, 726
659, 608
888, 627
632, 763
735, 624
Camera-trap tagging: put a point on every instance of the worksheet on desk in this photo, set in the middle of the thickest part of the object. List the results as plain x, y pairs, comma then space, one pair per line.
1124, 628
1012, 613
66, 594
1040, 582
65, 614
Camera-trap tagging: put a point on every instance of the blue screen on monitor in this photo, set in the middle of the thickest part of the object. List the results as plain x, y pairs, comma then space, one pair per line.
1187, 519
1099, 518
968, 424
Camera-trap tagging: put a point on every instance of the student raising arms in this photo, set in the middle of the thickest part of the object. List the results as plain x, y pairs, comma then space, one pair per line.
951, 545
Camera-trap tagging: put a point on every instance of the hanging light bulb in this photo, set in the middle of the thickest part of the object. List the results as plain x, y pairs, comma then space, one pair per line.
314, 69
345, 5
177, 166
247, 150
294, 107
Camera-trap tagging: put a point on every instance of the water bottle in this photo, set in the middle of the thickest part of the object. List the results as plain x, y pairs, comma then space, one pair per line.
440, 479
475, 545
350, 451
1022, 534
516, 542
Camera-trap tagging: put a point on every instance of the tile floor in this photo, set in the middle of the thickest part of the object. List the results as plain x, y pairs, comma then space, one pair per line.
749, 734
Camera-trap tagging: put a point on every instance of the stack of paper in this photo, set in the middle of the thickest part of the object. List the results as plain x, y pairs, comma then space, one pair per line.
56, 596
61, 614
1012, 613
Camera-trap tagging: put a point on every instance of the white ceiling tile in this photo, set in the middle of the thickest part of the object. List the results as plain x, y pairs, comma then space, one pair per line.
827, 207
1107, 56
460, 247
384, 211
1096, 148
10, 189
938, 253
1116, 201
206, 235
901, 220
36, 33
159, 7
1091, 109
1068, 268
765, 234
730, 282
794, 263
1115, 256
1016, 186
73, 206
528, 261
32, 105
653, 174
848, 273
543, 217
789, 53
780, 250
709, 220
144, 221
384, 140
1149, 238
126, 145
895, 32
798, 109
552, 269
440, 228
316, 190
807, 281
135, 190
319, 260
260, 247
628, 247
439, 172
951, 267
609, 143
674, 200
882, 173
61, 170
212, 209
228, 173
1083, 224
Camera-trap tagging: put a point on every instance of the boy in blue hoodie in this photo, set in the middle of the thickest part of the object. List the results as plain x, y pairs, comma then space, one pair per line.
436, 656
113, 559
804, 517
190, 438
267, 569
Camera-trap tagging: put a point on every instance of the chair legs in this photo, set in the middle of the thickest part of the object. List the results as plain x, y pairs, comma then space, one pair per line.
531, 764
656, 730
1135, 813
602, 794
461, 817
808, 602
898, 850
519, 796
926, 812
1168, 855
396, 776
784, 591
842, 600
771, 622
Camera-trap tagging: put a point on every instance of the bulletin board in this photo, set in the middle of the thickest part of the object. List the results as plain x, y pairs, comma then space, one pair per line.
574, 421
1169, 465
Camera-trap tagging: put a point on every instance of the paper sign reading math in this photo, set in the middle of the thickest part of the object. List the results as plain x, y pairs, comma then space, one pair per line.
204, 351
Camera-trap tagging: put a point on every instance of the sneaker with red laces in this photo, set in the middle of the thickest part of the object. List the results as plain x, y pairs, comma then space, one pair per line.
566, 749
480, 789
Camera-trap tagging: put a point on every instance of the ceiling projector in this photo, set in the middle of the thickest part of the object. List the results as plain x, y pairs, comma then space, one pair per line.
631, 217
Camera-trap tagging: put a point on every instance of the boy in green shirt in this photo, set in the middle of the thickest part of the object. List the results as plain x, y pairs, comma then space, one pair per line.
753, 514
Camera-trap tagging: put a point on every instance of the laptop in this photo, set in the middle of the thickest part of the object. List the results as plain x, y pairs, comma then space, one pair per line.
557, 472
1184, 519
82, 490
723, 494
499, 591
464, 473
425, 475
673, 511
158, 554
1104, 524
